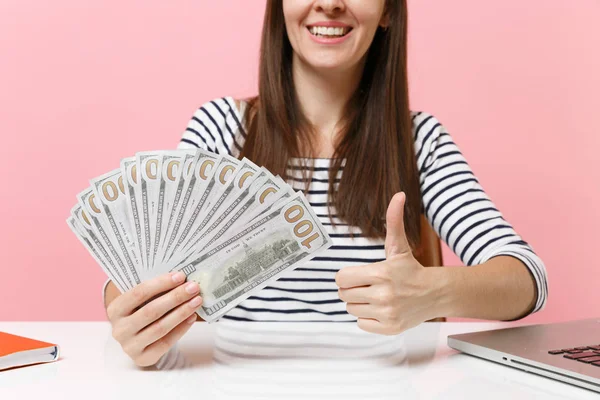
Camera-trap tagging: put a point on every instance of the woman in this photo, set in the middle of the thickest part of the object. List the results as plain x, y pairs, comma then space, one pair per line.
333, 117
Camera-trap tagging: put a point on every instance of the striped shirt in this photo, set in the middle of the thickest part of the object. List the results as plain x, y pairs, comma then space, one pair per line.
454, 203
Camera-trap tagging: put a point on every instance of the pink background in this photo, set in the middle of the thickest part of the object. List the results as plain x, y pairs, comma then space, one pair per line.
85, 83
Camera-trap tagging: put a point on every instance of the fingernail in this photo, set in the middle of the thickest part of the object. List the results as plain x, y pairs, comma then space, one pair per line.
191, 319
178, 277
192, 287
196, 301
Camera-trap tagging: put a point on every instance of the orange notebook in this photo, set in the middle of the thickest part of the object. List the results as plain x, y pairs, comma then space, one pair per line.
16, 351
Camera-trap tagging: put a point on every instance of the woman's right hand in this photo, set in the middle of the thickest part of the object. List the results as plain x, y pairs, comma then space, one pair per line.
148, 329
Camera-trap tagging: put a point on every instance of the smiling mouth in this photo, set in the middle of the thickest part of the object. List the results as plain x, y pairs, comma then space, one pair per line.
328, 31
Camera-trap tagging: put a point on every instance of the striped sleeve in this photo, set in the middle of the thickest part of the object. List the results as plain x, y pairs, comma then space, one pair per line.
460, 211
213, 127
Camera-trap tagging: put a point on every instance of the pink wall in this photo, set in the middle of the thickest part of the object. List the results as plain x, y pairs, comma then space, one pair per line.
84, 83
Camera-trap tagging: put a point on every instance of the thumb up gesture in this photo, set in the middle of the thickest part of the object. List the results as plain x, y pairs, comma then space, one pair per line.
390, 296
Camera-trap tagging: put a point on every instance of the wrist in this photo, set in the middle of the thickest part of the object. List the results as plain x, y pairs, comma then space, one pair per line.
442, 292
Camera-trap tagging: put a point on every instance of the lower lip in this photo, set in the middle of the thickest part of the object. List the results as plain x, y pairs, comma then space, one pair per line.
326, 40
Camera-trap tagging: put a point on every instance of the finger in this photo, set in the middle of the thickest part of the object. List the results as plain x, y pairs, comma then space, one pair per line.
371, 325
355, 276
361, 310
162, 305
157, 349
166, 324
126, 303
363, 294
395, 239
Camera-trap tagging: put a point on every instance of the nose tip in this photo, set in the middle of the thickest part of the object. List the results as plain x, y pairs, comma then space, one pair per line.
330, 6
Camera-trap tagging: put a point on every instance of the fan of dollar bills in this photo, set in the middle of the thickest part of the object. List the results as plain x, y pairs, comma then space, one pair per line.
227, 224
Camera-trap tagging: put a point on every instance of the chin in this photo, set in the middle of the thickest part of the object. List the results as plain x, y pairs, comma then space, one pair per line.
329, 65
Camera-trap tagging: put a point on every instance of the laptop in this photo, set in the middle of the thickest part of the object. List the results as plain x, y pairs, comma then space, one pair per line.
566, 351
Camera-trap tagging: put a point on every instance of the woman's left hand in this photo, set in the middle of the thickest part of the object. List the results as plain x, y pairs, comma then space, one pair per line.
391, 296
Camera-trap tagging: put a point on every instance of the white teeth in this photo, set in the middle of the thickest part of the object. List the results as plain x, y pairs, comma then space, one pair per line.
328, 31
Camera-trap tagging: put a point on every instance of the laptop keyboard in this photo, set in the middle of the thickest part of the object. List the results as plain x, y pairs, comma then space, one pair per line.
585, 354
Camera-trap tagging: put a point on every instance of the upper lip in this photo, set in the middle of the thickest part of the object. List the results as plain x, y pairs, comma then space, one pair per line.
332, 24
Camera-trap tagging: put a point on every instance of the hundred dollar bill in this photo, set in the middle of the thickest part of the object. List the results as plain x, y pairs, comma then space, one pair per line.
194, 191
81, 216
87, 199
231, 270
80, 233
259, 194
222, 174
110, 189
149, 164
225, 170
204, 169
258, 213
177, 172
131, 178
265, 199
170, 174
244, 175
82, 223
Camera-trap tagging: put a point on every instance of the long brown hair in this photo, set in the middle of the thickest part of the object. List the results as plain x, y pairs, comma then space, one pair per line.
377, 140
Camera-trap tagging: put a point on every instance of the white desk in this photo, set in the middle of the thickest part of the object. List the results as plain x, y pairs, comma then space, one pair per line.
275, 361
